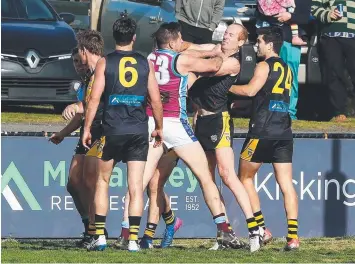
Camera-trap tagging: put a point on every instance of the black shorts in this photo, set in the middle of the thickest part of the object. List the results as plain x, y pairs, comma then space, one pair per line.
132, 147
215, 131
96, 133
267, 150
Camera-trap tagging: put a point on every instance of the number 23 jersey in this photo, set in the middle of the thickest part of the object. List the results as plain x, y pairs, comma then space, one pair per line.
172, 85
270, 118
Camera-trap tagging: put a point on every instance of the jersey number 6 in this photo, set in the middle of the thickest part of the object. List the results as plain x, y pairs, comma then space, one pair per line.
123, 70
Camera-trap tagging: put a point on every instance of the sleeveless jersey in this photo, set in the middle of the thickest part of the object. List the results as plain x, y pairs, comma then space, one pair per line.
211, 93
125, 94
172, 85
270, 118
87, 92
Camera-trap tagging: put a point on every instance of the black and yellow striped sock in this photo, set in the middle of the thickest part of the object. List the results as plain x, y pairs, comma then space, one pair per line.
260, 219
292, 227
134, 222
149, 231
252, 224
169, 217
100, 221
91, 229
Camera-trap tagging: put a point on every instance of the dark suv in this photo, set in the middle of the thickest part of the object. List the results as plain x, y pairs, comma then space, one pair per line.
36, 44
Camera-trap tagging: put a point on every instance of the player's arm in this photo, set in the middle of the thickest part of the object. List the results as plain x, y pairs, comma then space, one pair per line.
212, 51
73, 125
154, 98
230, 66
256, 83
186, 64
95, 95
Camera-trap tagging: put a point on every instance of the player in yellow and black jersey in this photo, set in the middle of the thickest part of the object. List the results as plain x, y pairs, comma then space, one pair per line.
269, 138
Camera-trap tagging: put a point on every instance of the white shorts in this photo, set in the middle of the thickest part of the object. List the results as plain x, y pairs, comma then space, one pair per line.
176, 131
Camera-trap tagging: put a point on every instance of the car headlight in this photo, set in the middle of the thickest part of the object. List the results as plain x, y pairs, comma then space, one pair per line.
218, 33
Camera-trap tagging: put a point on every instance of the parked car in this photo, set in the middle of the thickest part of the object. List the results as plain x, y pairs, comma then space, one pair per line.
36, 45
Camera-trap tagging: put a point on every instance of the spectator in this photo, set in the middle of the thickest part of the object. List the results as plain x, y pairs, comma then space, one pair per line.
337, 45
289, 53
198, 19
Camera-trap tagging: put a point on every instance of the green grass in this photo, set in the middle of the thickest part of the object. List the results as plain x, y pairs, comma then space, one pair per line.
192, 251
45, 115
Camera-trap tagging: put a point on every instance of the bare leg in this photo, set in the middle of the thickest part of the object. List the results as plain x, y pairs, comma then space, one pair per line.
247, 171
194, 156
225, 163
75, 184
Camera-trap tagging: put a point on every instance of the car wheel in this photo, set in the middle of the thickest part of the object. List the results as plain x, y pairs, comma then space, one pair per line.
59, 108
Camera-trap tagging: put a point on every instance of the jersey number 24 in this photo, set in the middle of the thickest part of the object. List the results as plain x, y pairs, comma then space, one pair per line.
287, 82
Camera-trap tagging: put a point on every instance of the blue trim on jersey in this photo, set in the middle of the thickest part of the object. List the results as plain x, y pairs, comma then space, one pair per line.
80, 92
278, 106
128, 100
173, 61
186, 125
183, 96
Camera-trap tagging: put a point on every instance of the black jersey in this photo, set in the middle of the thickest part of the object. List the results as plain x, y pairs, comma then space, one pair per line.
270, 118
125, 94
211, 93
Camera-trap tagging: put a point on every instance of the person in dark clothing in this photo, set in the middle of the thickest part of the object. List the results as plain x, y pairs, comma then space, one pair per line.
337, 45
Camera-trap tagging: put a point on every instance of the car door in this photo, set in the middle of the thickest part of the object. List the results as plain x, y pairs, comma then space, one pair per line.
144, 12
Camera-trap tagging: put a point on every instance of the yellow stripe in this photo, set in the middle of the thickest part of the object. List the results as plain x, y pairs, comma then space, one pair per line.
134, 226
249, 150
133, 237
292, 222
261, 223
292, 229
149, 233
225, 140
229, 228
252, 224
99, 232
133, 230
292, 236
258, 217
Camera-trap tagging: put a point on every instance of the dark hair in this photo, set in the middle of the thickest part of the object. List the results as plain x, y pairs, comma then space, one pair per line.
74, 51
166, 33
272, 35
124, 29
91, 40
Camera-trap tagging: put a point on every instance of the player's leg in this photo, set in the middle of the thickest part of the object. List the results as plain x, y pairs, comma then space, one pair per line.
194, 157
249, 163
106, 154
283, 174
74, 187
154, 155
212, 163
135, 152
226, 169
159, 203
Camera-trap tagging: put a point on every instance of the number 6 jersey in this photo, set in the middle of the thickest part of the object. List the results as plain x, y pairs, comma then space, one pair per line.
125, 94
270, 118
172, 85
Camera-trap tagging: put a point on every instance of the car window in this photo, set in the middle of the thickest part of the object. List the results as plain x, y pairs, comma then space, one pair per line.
8, 9
26, 9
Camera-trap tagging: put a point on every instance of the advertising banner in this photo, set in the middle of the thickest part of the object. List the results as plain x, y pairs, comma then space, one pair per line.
35, 202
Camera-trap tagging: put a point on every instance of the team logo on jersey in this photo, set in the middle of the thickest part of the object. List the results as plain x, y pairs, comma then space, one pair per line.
214, 138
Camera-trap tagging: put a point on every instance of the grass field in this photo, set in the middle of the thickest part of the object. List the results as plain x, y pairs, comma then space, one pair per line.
45, 115
183, 251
